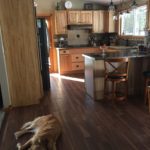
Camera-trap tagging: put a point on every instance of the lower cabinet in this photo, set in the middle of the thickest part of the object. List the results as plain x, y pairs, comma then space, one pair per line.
65, 63
71, 60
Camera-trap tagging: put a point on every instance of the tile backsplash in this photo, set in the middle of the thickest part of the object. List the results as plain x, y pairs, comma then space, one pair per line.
85, 38
93, 39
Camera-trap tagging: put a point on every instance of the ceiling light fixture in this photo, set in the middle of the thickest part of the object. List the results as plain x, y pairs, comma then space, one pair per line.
133, 4
111, 6
35, 3
121, 7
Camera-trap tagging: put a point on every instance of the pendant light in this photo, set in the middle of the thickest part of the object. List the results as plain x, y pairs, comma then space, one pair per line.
133, 4
121, 7
35, 3
111, 6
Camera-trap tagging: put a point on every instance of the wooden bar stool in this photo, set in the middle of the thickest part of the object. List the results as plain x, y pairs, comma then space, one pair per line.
116, 71
147, 82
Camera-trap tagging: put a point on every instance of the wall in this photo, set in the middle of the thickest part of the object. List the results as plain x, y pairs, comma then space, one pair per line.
3, 76
127, 5
17, 19
45, 7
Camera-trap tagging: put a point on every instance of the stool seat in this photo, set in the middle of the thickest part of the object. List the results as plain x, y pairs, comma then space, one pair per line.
146, 74
115, 77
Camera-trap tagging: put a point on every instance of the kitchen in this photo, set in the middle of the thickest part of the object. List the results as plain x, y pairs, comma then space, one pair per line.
87, 28
85, 31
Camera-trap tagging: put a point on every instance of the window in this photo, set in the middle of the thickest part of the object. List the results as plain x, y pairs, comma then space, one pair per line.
134, 23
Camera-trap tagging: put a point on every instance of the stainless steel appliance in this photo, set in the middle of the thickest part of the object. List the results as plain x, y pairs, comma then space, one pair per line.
44, 52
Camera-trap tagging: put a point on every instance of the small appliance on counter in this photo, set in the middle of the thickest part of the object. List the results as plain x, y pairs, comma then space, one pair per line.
61, 42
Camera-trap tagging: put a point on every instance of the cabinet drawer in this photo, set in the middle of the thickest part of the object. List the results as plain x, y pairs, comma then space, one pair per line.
77, 66
77, 58
64, 51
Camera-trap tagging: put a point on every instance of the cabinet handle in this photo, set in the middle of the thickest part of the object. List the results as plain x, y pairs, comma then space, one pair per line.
77, 57
64, 51
77, 66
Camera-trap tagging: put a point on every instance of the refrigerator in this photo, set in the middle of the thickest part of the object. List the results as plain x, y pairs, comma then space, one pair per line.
44, 47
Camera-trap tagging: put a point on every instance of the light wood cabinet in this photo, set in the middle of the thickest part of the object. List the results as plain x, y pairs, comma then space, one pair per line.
71, 60
60, 22
79, 17
86, 17
109, 23
73, 17
65, 63
98, 21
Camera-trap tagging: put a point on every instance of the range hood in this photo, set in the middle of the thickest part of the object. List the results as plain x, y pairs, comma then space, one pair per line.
79, 27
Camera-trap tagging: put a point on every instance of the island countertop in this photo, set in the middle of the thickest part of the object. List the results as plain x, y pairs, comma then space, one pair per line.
133, 53
95, 71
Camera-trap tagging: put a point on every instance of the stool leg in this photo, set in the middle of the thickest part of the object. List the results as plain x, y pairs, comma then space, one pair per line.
105, 88
126, 89
145, 93
148, 90
113, 90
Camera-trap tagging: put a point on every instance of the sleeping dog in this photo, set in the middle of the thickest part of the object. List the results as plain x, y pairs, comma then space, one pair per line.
46, 130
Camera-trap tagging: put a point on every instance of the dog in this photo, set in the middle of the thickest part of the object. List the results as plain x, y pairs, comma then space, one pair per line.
46, 131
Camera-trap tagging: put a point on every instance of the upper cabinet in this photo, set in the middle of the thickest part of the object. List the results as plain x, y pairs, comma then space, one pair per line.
79, 17
98, 21
86, 17
60, 22
109, 23
73, 17
101, 20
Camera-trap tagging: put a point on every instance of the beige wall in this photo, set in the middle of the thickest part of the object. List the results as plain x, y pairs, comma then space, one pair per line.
45, 7
127, 5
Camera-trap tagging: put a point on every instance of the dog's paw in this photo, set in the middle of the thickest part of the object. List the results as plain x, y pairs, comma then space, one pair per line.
19, 146
16, 135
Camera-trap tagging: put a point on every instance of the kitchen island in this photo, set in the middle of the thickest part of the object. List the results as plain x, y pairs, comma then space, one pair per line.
94, 71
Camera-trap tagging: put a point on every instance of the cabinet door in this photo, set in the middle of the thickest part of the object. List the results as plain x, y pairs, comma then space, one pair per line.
86, 17
65, 63
73, 17
98, 21
111, 22
60, 22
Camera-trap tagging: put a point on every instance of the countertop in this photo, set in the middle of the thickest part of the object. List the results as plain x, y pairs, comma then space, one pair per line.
89, 46
131, 53
76, 47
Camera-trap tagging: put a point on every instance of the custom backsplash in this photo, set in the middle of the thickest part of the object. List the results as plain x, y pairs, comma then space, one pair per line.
93, 39
100, 39
129, 42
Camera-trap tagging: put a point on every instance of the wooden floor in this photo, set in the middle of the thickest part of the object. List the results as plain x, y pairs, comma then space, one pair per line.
87, 125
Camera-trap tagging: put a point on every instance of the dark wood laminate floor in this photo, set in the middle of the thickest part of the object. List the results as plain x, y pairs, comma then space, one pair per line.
87, 125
